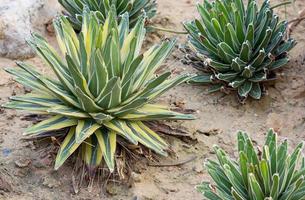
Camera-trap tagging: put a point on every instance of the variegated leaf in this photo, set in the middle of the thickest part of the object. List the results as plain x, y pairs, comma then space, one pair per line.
54, 123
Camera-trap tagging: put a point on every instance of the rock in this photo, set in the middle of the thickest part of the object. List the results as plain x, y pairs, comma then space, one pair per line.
5, 185
18, 18
50, 182
23, 162
136, 177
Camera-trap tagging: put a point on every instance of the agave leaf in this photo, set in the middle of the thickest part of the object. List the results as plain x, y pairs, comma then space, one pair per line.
245, 52
275, 186
78, 79
47, 53
165, 86
218, 29
106, 91
67, 148
107, 142
264, 168
123, 27
39, 99
99, 76
86, 102
244, 168
218, 66
215, 88
58, 91
84, 129
285, 47
228, 51
275, 42
227, 76
67, 111
256, 91
239, 27
228, 39
201, 79
121, 128
100, 118
147, 137
28, 80
236, 66
248, 72
91, 152
265, 41
279, 63
235, 183
36, 108
54, 123
237, 82
251, 13
255, 187
234, 35
236, 195
153, 111
208, 193
262, 27
206, 19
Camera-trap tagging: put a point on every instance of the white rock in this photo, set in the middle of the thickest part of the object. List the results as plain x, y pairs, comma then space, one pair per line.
18, 18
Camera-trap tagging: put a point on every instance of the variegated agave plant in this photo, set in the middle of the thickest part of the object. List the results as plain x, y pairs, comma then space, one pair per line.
272, 174
237, 47
135, 9
104, 88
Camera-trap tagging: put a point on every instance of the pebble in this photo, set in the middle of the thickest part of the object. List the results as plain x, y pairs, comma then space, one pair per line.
50, 182
23, 162
136, 177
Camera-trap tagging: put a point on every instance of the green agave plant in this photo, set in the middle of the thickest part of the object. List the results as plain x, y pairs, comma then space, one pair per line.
135, 9
269, 174
237, 47
103, 91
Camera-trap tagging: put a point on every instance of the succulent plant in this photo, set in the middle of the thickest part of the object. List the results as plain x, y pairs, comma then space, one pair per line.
104, 88
237, 47
135, 9
267, 174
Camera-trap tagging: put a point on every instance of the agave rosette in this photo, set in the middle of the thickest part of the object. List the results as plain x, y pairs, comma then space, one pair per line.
236, 46
104, 88
272, 174
135, 9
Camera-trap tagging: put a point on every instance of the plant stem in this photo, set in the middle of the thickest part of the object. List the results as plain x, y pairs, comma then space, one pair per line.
167, 30
280, 4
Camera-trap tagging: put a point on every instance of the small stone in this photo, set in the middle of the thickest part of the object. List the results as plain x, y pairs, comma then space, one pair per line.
50, 182
198, 168
23, 162
5, 185
22, 172
112, 189
136, 177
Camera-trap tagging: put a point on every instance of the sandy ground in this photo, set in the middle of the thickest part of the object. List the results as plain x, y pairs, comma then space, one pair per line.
26, 171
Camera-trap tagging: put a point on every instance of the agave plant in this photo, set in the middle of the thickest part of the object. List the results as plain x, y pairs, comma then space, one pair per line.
135, 9
237, 47
269, 174
103, 91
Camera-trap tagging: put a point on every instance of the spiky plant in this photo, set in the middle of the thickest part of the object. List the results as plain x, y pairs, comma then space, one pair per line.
270, 173
237, 47
135, 9
104, 88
